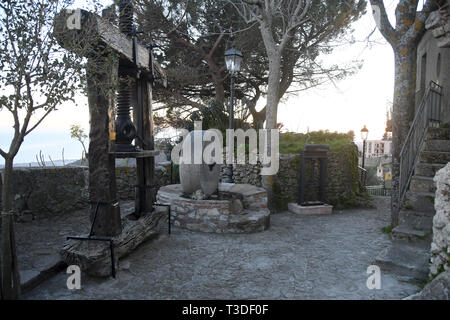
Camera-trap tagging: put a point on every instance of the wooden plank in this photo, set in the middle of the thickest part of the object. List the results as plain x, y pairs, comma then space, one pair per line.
75, 27
94, 256
136, 154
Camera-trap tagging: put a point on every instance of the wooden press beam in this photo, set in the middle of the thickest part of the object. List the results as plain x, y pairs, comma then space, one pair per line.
77, 30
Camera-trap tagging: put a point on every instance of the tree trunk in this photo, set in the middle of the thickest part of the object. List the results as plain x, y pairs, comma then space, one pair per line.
10, 280
268, 181
258, 118
402, 115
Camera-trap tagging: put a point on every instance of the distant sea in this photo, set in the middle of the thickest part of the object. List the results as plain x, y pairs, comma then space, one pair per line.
57, 163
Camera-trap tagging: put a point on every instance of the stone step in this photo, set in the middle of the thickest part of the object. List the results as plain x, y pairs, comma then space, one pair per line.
437, 145
421, 219
414, 225
422, 184
434, 157
408, 232
427, 169
420, 201
404, 259
438, 134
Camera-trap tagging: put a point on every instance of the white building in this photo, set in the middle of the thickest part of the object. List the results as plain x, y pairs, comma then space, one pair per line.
378, 148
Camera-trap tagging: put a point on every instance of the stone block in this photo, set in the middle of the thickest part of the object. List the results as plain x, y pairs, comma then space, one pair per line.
307, 210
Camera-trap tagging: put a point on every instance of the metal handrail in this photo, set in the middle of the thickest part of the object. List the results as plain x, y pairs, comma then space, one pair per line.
429, 110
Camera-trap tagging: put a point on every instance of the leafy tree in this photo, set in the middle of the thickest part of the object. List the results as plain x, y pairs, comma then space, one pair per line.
76, 132
36, 75
193, 35
284, 27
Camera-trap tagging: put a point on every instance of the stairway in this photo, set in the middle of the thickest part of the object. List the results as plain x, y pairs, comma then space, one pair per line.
409, 251
416, 216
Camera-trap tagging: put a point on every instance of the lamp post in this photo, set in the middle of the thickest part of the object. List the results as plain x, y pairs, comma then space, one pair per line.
364, 134
233, 59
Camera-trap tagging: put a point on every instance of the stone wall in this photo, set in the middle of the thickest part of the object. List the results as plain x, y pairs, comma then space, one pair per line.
343, 184
440, 247
48, 191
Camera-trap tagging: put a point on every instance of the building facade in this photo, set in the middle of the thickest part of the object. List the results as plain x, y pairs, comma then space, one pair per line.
433, 58
378, 148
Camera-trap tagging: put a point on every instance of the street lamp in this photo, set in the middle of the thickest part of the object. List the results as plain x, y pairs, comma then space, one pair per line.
364, 134
233, 59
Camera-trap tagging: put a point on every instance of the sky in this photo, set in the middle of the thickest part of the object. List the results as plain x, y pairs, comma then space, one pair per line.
358, 100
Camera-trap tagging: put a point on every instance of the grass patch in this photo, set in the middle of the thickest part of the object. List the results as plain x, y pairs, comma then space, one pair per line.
291, 142
388, 230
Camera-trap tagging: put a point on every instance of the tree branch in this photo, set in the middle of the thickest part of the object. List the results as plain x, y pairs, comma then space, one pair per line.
382, 21
3, 153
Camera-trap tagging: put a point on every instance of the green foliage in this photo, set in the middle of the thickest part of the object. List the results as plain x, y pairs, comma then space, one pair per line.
445, 125
354, 195
193, 36
388, 230
175, 173
291, 142
371, 177
76, 132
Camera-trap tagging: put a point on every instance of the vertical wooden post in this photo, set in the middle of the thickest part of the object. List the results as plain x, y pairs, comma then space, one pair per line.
323, 178
302, 181
143, 119
102, 176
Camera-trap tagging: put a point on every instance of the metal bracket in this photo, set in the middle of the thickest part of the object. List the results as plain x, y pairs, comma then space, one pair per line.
90, 237
164, 205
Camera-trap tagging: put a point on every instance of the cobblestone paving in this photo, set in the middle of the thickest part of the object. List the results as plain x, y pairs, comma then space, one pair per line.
298, 257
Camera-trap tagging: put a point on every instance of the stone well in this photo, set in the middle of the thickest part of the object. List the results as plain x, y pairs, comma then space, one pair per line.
238, 208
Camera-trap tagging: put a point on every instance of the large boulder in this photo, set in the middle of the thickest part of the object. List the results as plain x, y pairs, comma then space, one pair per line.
195, 173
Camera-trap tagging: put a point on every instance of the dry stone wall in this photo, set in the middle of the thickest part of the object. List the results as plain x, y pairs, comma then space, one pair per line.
440, 247
48, 191
343, 184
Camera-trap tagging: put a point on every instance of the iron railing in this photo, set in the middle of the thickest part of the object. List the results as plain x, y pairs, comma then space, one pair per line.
378, 191
427, 115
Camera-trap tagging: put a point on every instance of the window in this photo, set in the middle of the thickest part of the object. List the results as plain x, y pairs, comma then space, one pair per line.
423, 73
438, 65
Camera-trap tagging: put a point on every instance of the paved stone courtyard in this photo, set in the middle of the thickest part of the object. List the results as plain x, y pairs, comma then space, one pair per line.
298, 257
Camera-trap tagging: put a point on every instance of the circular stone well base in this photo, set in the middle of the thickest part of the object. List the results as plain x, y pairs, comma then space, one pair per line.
219, 216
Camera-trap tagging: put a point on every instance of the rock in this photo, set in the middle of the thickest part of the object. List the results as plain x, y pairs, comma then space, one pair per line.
195, 173
198, 195
236, 206
124, 265
433, 20
441, 222
438, 289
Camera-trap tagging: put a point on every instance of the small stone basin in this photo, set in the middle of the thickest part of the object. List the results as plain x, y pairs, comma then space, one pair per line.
236, 208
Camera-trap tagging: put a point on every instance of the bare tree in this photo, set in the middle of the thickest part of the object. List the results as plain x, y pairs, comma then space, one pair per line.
276, 37
292, 15
36, 75
404, 38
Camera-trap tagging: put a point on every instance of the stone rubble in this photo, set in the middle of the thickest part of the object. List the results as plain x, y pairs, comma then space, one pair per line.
440, 248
